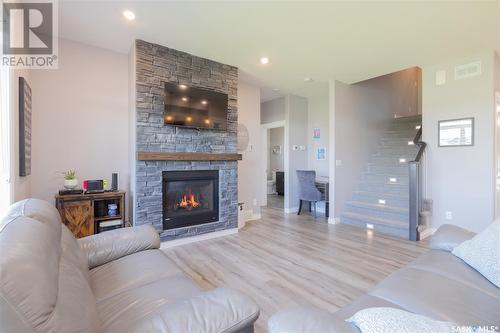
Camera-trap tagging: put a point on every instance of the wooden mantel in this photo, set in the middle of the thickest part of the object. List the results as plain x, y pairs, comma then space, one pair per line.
186, 156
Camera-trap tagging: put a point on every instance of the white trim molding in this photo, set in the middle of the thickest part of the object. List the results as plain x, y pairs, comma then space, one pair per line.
187, 240
274, 124
333, 220
427, 232
256, 216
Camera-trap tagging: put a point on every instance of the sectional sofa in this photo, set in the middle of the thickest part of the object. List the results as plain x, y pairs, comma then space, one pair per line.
437, 285
117, 281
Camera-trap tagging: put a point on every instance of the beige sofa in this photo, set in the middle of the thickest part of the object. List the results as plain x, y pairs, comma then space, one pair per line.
117, 281
437, 285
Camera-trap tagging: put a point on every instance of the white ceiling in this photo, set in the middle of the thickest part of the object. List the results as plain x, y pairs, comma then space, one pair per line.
348, 41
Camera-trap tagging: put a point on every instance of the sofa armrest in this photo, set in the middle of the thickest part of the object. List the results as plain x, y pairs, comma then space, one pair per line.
111, 245
218, 310
448, 236
302, 319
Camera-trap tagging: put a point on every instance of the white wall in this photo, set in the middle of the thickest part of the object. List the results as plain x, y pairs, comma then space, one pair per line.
80, 118
272, 111
318, 117
403, 87
250, 187
497, 135
276, 161
460, 179
20, 187
361, 113
132, 142
296, 115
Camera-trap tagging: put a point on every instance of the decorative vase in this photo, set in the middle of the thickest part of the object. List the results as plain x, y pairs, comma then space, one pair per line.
70, 183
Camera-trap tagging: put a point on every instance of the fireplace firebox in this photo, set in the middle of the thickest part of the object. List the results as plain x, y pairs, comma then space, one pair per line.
190, 197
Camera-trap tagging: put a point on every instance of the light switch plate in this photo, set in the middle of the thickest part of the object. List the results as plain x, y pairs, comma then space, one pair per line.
440, 78
338, 162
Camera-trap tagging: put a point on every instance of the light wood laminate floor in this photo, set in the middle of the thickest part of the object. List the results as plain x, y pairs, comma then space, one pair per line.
285, 259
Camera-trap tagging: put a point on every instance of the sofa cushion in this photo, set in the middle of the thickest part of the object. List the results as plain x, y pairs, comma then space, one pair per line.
438, 297
363, 302
72, 251
29, 261
448, 236
37, 209
451, 267
42, 281
390, 320
130, 272
75, 309
483, 252
308, 319
127, 308
218, 310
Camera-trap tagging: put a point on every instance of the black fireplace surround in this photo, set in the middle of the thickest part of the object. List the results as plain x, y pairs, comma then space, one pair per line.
190, 197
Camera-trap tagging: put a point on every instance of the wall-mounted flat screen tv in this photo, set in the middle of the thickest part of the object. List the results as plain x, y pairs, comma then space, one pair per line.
194, 107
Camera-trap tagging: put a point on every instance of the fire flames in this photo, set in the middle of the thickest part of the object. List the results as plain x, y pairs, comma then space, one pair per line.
188, 201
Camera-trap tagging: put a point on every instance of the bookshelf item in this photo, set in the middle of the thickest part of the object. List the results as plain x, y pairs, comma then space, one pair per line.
87, 214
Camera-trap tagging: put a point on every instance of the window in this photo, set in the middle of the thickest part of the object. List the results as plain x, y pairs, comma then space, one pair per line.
5, 193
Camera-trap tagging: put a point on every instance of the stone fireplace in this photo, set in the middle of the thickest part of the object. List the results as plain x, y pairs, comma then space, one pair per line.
190, 198
156, 65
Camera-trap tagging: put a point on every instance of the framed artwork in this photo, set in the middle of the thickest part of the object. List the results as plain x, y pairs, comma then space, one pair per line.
24, 128
276, 150
321, 154
456, 132
316, 133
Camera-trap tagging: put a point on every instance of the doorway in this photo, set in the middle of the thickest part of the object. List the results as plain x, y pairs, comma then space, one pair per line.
274, 160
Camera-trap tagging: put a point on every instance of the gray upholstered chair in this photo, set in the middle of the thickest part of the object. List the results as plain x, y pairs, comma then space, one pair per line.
307, 189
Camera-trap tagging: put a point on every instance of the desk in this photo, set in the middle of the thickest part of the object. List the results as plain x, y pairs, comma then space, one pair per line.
323, 185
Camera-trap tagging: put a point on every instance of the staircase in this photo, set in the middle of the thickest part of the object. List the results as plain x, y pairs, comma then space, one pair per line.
381, 199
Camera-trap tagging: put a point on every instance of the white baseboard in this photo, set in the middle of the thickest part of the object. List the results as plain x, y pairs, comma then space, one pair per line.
333, 220
427, 232
254, 217
187, 240
291, 210
249, 215
305, 207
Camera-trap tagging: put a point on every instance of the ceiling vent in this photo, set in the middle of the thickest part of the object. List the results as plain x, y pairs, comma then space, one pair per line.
468, 70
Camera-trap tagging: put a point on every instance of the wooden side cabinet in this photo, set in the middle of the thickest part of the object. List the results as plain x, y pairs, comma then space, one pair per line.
84, 213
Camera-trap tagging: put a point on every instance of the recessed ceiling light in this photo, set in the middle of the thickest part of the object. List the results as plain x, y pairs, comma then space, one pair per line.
184, 99
308, 79
204, 102
182, 86
264, 60
129, 15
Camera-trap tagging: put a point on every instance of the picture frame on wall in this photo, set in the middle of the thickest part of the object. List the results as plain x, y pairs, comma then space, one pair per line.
456, 132
25, 110
316, 133
321, 154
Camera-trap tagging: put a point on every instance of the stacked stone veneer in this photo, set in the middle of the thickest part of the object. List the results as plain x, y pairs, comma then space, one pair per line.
156, 65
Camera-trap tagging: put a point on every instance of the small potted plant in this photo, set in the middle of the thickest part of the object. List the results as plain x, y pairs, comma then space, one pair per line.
70, 181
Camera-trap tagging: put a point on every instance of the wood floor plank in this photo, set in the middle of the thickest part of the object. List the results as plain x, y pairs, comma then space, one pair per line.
285, 259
